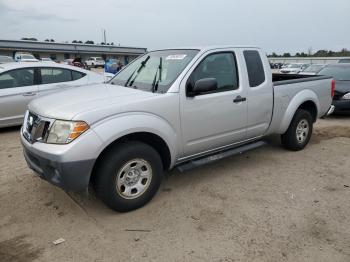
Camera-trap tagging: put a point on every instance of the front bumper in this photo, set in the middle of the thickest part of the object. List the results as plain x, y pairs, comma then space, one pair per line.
341, 105
51, 164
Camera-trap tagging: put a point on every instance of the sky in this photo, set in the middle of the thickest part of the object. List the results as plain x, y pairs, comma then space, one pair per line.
275, 25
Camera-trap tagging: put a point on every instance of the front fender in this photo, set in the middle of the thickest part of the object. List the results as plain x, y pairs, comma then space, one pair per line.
294, 104
115, 127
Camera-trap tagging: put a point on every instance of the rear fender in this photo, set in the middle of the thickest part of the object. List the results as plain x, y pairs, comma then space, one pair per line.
300, 98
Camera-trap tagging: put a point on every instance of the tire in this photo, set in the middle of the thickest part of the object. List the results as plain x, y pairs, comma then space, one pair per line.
121, 181
299, 131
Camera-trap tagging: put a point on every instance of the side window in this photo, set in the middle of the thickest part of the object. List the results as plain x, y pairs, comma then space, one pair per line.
222, 67
17, 78
55, 75
77, 75
255, 67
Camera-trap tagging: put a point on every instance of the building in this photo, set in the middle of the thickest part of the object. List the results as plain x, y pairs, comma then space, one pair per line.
306, 60
62, 51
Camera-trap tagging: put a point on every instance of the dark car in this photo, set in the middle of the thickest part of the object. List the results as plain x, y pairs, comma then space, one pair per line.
341, 74
344, 60
76, 62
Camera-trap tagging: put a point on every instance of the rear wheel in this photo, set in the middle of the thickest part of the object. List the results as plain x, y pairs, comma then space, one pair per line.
299, 131
128, 176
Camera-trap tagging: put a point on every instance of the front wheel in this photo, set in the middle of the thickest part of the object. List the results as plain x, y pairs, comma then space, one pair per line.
299, 131
128, 176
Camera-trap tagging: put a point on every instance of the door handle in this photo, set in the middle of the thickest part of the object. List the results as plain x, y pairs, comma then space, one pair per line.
29, 94
239, 99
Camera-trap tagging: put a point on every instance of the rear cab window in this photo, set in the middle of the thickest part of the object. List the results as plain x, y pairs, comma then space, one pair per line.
255, 67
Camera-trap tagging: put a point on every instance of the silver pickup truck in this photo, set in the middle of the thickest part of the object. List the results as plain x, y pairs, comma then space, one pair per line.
168, 108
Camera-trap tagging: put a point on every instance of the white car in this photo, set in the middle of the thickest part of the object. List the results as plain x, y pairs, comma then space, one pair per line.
293, 68
20, 83
47, 59
25, 57
95, 62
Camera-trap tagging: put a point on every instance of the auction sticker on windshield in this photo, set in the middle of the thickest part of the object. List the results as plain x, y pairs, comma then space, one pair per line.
175, 57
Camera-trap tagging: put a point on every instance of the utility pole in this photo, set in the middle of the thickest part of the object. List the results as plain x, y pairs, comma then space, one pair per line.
104, 36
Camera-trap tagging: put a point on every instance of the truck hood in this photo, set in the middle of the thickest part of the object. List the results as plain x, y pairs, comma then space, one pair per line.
67, 104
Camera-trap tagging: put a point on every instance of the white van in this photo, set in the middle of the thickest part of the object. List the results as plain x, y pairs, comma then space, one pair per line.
25, 57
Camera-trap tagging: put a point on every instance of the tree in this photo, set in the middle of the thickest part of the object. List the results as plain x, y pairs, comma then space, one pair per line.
89, 42
74, 41
102, 43
47, 40
321, 53
29, 39
51, 40
286, 55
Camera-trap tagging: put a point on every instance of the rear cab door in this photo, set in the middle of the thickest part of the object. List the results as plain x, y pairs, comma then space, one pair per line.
259, 92
17, 88
216, 119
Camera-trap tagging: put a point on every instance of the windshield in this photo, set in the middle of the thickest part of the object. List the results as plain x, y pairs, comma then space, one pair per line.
340, 73
313, 68
27, 57
99, 59
158, 68
294, 66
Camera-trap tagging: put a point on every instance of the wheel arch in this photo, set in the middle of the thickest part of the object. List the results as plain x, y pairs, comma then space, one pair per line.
151, 139
306, 100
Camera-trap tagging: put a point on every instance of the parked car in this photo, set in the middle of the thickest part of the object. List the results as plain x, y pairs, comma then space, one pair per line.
112, 66
6, 59
293, 68
312, 69
20, 83
75, 62
344, 60
341, 73
25, 57
95, 62
46, 59
168, 108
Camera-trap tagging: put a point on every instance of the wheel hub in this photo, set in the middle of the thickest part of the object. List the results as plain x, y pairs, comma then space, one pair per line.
302, 131
133, 178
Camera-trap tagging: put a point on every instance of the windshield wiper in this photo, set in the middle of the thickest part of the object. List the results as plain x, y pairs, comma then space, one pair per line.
155, 81
137, 71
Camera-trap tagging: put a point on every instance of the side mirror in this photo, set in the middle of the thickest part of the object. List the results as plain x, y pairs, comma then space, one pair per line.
203, 86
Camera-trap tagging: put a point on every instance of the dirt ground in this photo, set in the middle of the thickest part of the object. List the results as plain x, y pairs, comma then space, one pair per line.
265, 205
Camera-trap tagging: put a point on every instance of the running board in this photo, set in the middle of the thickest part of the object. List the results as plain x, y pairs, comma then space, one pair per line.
223, 154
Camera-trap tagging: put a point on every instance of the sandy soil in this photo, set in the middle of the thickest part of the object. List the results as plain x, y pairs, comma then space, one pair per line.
265, 205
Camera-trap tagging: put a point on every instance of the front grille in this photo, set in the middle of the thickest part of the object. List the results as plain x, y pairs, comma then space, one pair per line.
35, 128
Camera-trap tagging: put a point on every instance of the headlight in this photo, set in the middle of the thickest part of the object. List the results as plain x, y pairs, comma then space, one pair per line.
64, 132
346, 96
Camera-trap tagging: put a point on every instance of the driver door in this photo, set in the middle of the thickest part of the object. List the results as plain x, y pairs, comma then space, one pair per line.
214, 119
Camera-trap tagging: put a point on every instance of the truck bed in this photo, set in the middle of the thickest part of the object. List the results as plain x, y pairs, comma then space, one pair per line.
288, 89
284, 79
